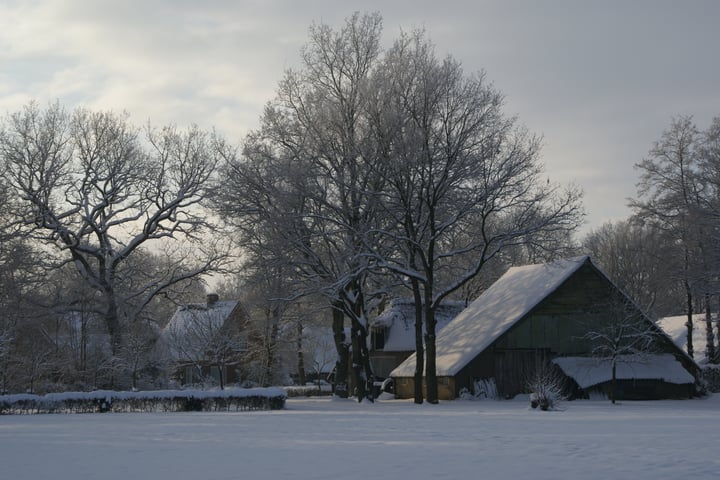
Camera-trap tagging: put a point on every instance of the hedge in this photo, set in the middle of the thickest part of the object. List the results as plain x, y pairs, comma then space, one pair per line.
149, 401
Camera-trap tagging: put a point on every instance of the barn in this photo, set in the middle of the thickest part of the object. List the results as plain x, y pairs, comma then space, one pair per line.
552, 314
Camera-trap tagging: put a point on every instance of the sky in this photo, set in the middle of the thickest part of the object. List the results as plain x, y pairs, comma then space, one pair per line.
599, 80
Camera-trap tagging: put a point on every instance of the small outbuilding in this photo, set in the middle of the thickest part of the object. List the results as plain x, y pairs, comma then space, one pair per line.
553, 315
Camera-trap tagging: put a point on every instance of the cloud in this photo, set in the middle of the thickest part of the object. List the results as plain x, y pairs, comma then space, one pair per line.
600, 80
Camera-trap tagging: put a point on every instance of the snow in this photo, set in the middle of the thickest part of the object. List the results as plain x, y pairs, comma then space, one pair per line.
112, 394
215, 313
332, 439
190, 319
588, 371
493, 313
676, 328
399, 320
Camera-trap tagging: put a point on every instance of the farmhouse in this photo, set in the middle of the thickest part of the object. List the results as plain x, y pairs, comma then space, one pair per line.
207, 341
539, 313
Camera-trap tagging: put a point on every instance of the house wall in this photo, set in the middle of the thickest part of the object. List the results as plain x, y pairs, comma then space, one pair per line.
645, 390
481, 367
385, 362
405, 388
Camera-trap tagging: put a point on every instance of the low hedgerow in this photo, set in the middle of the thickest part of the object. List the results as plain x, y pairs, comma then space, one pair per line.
148, 401
308, 390
710, 376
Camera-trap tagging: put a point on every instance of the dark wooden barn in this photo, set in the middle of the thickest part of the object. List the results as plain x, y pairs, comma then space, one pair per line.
533, 316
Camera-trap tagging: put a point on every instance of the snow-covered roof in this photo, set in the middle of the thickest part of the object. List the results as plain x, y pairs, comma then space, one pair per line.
676, 328
84, 327
193, 322
493, 313
213, 314
399, 320
319, 348
589, 371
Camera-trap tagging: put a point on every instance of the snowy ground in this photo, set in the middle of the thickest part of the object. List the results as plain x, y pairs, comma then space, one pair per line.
336, 439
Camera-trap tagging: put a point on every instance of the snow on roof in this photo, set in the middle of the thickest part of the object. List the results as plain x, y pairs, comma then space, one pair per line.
589, 371
399, 320
493, 313
214, 314
83, 327
319, 348
190, 318
676, 328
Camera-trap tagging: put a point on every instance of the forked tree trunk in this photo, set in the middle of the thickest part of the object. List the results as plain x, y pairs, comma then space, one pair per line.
364, 377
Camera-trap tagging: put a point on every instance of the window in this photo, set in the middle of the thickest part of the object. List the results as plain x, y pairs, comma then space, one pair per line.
377, 338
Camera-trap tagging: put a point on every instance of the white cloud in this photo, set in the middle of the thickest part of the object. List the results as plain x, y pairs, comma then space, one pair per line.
600, 80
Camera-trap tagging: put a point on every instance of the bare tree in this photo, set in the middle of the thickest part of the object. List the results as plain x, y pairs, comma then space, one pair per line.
465, 183
639, 259
673, 195
88, 187
624, 335
309, 177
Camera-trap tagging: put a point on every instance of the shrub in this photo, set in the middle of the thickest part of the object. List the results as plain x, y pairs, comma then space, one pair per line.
482, 388
547, 387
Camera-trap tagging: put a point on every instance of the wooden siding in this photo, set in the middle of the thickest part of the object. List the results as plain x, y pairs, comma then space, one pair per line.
385, 362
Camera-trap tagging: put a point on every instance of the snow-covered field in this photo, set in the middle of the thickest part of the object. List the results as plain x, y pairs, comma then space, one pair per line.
392, 439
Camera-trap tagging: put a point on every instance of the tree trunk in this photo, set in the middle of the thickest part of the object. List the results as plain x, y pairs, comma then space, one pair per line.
221, 374
689, 323
300, 356
430, 368
613, 387
357, 366
112, 321
340, 380
419, 346
710, 335
364, 377
270, 346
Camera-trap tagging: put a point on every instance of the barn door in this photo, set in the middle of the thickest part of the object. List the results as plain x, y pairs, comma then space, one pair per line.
514, 368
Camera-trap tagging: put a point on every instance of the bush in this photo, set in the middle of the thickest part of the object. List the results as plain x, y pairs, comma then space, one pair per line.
483, 388
547, 387
710, 378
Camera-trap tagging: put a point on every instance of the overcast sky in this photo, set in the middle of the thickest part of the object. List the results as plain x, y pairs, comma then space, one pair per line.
599, 80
